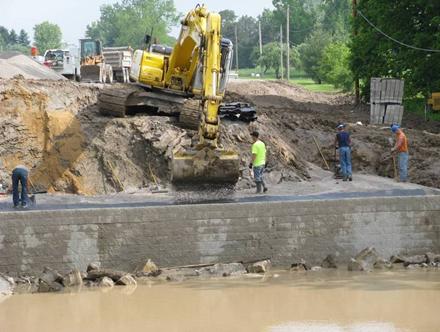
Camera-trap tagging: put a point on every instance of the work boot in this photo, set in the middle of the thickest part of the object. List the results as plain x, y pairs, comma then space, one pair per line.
258, 191
350, 178
345, 178
265, 189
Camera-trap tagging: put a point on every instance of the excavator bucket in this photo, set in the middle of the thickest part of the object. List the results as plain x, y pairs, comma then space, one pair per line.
206, 167
91, 73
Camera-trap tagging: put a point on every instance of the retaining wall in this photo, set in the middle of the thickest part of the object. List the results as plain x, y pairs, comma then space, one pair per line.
124, 238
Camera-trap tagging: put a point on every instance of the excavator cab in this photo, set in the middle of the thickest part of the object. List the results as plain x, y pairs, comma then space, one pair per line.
226, 63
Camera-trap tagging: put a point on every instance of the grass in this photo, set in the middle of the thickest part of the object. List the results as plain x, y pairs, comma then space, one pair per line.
296, 77
416, 105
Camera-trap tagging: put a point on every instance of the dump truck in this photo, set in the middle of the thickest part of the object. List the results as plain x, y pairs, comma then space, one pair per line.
119, 58
61, 61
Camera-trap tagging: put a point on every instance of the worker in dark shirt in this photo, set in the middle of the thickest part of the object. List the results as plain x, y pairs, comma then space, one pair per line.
343, 143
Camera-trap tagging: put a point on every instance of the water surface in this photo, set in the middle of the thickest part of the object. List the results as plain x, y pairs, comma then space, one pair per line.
330, 301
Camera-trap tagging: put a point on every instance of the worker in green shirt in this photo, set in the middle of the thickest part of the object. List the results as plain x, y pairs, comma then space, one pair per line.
258, 161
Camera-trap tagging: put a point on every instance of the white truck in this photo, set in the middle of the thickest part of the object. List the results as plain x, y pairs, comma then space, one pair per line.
120, 59
61, 61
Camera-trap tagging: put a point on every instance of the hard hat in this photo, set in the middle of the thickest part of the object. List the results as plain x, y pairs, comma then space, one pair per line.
341, 125
394, 127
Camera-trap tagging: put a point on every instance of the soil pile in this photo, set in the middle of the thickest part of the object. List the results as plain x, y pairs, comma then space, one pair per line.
299, 115
54, 128
15, 63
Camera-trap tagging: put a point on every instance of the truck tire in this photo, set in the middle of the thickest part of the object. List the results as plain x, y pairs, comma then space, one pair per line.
109, 74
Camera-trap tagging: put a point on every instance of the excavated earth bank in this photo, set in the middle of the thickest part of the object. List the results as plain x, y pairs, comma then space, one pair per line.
54, 128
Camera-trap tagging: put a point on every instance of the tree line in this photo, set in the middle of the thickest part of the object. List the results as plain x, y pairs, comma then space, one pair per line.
385, 38
46, 36
11, 41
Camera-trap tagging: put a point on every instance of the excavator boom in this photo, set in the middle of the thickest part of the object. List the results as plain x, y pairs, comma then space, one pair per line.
207, 163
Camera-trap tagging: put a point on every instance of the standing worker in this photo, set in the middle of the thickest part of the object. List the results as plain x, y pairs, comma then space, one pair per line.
20, 174
343, 143
401, 147
258, 161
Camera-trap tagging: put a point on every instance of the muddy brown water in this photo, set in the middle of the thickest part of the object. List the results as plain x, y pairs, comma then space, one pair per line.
330, 301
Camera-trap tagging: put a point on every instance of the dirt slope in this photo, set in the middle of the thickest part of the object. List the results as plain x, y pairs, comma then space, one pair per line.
299, 115
54, 128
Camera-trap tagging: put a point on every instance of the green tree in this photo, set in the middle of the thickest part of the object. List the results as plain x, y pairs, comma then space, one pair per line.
334, 66
23, 38
413, 22
271, 57
13, 38
270, 27
47, 36
336, 18
229, 20
126, 23
302, 17
311, 52
247, 31
4, 34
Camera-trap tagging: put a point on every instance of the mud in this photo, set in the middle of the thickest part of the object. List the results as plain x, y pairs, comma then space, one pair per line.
54, 128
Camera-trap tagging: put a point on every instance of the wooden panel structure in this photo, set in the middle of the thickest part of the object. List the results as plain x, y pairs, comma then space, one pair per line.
377, 112
386, 96
393, 114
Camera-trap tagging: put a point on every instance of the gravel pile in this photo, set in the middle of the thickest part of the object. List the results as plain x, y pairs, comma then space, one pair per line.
13, 64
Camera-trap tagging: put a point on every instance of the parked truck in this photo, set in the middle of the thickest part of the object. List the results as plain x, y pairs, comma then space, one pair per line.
119, 58
61, 61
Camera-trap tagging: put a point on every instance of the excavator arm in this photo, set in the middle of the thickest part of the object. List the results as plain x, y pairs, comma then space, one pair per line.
211, 98
207, 163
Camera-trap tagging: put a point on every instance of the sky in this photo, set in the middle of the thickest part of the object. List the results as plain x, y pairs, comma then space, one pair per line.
73, 15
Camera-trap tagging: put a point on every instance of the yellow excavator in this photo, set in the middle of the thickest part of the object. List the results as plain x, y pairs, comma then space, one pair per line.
189, 79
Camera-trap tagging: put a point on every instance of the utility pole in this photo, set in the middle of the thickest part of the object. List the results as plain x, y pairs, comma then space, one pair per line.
281, 47
355, 32
236, 49
288, 44
261, 45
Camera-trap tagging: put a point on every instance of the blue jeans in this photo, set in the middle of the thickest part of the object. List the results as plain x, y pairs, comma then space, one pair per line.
19, 175
258, 174
403, 166
345, 160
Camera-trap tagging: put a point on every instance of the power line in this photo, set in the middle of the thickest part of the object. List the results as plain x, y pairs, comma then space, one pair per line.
395, 40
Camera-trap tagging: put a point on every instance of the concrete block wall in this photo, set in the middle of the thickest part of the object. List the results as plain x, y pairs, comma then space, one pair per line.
124, 238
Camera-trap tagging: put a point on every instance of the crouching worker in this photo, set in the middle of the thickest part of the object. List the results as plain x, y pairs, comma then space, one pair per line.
20, 174
258, 162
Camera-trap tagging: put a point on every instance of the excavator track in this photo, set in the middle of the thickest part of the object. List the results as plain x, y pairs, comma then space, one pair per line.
114, 101
118, 101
